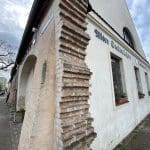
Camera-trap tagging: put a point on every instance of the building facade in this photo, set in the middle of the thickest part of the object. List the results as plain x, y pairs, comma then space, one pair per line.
120, 74
82, 76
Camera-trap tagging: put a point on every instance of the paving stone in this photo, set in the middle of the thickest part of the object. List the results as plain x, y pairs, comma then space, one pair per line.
9, 130
5, 131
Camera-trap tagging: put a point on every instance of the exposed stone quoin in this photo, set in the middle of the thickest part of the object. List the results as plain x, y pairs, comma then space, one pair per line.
53, 78
75, 120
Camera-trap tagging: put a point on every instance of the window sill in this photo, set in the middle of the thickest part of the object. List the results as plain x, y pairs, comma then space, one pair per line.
141, 95
121, 101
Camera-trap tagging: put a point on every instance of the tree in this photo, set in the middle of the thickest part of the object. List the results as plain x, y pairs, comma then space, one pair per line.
7, 56
148, 57
1, 87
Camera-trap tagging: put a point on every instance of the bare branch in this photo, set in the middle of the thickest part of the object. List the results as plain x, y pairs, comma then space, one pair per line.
6, 66
3, 55
7, 55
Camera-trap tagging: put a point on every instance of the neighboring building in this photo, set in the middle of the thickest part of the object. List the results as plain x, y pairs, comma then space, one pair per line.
81, 72
3, 82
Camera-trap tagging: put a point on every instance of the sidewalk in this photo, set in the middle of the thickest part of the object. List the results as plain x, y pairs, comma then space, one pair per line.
139, 139
5, 132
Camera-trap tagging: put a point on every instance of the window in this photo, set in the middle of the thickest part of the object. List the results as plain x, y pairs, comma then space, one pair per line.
44, 72
127, 37
147, 82
138, 82
118, 80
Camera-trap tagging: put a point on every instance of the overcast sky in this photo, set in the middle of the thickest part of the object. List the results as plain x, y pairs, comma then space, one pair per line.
14, 14
140, 12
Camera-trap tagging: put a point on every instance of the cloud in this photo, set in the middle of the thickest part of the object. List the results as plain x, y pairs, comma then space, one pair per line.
140, 13
14, 17
14, 14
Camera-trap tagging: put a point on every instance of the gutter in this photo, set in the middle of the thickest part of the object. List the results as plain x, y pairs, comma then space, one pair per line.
33, 21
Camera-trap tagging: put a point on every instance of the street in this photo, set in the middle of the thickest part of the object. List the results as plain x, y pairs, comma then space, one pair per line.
5, 132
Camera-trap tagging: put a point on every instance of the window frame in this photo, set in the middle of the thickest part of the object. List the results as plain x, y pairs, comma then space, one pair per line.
128, 37
139, 85
122, 99
147, 83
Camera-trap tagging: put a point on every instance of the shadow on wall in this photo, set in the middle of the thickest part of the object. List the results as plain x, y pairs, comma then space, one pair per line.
25, 83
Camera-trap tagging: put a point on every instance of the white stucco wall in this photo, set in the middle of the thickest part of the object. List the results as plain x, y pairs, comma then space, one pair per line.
113, 123
117, 15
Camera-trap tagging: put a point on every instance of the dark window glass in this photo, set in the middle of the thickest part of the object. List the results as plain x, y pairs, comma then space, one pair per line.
127, 37
147, 82
138, 80
117, 79
139, 83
